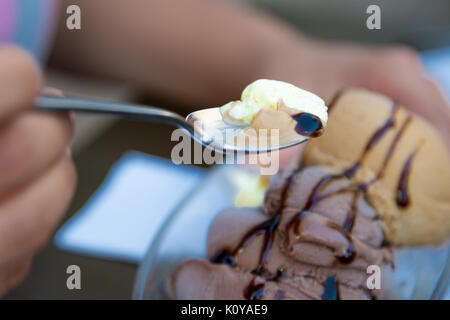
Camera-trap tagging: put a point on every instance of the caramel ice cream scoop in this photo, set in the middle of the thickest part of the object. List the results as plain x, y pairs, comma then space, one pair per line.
397, 156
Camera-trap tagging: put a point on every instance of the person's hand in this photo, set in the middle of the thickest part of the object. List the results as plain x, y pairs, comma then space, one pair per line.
399, 74
37, 174
395, 71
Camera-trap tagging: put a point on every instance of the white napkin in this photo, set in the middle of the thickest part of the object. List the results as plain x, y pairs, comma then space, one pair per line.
123, 216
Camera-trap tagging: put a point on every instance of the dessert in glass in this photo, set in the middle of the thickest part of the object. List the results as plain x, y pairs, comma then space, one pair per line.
373, 190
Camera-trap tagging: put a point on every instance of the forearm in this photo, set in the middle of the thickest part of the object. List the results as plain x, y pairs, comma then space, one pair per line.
202, 51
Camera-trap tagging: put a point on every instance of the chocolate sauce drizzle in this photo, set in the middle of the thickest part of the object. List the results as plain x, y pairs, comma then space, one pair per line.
279, 295
392, 147
402, 197
266, 228
224, 257
316, 196
255, 291
351, 215
331, 291
335, 99
388, 124
308, 125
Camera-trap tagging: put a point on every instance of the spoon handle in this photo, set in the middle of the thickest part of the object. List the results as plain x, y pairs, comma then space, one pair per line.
129, 111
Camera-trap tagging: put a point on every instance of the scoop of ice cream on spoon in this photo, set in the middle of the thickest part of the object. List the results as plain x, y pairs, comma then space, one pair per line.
271, 109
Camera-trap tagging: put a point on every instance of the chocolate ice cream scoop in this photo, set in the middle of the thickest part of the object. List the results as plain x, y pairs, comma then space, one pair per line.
284, 251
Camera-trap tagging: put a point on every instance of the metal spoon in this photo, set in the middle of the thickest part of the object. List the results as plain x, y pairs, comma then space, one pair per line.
209, 128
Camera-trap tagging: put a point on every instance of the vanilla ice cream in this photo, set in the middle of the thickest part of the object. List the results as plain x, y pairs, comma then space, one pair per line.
275, 95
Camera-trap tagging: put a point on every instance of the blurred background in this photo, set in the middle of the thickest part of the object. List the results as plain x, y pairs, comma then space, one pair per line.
100, 141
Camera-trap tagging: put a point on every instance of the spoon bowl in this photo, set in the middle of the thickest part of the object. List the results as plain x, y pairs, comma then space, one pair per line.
210, 128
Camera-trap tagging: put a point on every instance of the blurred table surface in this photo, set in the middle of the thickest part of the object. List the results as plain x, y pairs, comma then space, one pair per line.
100, 279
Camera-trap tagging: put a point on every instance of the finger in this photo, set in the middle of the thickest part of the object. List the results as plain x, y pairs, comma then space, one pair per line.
13, 274
49, 91
398, 73
435, 107
421, 95
29, 144
20, 80
29, 216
